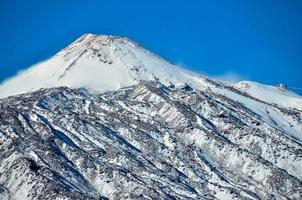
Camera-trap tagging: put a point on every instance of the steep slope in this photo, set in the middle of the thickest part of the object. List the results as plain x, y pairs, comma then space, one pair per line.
146, 141
129, 125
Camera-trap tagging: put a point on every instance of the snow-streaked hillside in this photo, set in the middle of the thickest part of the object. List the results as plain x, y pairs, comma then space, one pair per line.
129, 125
144, 142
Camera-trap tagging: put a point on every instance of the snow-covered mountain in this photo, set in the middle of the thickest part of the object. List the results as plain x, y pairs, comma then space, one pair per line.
104, 63
115, 121
100, 63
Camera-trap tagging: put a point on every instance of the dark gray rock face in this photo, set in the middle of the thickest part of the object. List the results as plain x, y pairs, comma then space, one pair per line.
148, 141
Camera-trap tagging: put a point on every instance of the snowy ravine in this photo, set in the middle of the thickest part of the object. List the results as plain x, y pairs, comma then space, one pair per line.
107, 119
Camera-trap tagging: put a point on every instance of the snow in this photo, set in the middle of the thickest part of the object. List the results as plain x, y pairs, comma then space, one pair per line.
168, 141
89, 73
271, 94
34, 155
105, 187
271, 115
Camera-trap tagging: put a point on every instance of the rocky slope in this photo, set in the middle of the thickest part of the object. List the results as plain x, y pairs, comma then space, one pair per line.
159, 133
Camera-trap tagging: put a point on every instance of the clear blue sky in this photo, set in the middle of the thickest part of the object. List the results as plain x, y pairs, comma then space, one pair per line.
258, 40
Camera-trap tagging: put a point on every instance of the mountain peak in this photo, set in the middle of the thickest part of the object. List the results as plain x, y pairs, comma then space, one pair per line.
96, 62
90, 39
102, 63
97, 45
